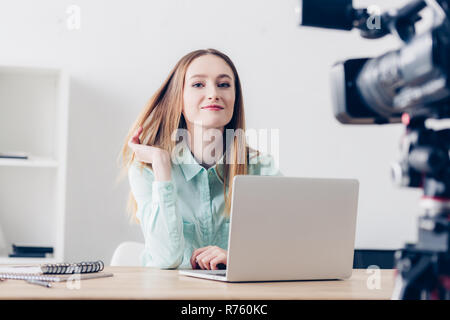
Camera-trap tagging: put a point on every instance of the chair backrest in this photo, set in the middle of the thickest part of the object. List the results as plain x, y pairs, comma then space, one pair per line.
128, 254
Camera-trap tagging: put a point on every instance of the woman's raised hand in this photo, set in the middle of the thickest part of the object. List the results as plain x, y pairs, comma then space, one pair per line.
159, 158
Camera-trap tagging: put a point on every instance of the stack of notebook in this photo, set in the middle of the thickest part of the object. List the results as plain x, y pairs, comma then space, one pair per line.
55, 272
13, 155
23, 251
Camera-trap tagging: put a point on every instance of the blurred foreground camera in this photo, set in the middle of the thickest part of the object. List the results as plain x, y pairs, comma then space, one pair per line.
410, 85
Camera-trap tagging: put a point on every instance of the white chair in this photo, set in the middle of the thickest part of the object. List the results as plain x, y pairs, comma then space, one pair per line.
127, 254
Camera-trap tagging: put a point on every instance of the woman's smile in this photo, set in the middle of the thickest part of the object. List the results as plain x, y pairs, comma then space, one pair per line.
213, 107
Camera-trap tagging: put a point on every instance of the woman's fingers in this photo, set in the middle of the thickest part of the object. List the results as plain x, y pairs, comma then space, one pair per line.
135, 138
217, 260
194, 263
205, 257
195, 254
206, 260
145, 153
131, 144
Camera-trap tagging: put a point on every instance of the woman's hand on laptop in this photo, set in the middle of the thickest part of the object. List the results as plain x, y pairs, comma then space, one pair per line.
208, 258
159, 158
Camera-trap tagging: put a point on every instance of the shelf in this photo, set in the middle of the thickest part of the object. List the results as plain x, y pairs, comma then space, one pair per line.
30, 162
7, 260
34, 114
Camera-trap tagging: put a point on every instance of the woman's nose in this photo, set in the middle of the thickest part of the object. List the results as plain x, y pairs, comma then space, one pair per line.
212, 94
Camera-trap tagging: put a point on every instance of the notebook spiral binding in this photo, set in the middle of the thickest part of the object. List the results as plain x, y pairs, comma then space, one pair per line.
69, 268
57, 269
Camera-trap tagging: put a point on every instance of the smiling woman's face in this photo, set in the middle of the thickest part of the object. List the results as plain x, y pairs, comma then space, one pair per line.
208, 81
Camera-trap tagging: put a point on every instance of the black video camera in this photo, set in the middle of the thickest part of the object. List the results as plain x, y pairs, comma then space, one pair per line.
408, 85
414, 79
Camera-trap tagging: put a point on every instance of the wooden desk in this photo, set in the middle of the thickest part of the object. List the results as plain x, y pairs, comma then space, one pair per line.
149, 283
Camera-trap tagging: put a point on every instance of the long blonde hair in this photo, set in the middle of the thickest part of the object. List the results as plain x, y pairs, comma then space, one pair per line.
163, 114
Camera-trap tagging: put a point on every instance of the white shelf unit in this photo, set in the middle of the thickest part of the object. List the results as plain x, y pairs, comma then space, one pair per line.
34, 120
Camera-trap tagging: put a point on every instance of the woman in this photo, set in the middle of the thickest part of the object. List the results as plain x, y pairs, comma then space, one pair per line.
180, 190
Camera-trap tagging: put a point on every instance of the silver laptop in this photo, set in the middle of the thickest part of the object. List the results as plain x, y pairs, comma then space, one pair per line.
289, 228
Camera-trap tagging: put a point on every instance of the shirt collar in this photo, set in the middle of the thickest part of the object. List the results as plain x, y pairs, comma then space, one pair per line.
189, 165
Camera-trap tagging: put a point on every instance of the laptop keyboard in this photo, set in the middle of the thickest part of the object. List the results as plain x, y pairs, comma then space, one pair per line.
213, 272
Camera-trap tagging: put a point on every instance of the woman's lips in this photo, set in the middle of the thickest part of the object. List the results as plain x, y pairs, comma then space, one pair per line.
213, 107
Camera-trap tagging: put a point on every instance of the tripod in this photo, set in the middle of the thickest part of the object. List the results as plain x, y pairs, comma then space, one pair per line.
423, 269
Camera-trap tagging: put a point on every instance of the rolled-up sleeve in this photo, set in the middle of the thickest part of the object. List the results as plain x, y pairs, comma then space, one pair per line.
159, 218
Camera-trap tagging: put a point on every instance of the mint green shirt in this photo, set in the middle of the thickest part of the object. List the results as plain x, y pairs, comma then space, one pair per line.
184, 214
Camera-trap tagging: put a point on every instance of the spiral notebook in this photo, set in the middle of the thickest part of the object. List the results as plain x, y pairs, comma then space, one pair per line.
55, 272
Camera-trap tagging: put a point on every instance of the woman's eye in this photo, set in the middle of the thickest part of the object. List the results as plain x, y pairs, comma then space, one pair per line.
220, 85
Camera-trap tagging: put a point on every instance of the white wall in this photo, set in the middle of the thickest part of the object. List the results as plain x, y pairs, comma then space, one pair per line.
124, 50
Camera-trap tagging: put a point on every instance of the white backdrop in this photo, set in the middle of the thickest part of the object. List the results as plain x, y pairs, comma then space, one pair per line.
123, 51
